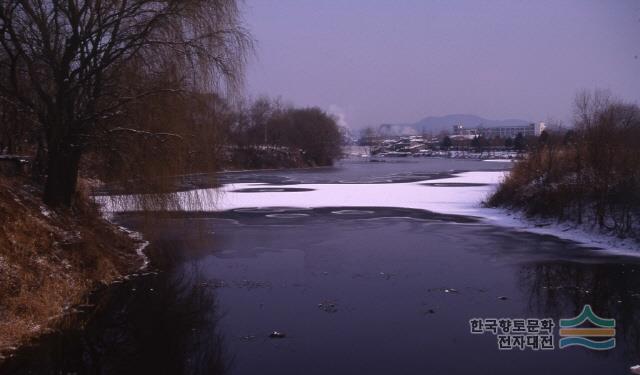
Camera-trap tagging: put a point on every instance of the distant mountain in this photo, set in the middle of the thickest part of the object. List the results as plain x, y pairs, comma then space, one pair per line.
436, 124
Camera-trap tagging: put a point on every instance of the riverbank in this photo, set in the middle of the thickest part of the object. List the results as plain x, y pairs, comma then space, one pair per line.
269, 157
51, 260
585, 234
263, 158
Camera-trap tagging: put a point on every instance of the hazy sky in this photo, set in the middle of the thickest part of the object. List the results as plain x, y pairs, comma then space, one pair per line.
399, 61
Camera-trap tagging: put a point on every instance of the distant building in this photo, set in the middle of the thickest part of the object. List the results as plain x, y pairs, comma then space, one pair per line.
501, 131
461, 133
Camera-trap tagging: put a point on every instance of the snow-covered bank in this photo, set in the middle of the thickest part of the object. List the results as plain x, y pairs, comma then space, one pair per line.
142, 245
582, 234
460, 195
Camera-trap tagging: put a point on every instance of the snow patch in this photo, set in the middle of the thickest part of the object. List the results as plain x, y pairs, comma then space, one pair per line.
586, 235
45, 212
459, 200
108, 215
137, 236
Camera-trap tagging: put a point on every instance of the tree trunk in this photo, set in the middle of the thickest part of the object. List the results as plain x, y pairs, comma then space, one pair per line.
38, 165
62, 175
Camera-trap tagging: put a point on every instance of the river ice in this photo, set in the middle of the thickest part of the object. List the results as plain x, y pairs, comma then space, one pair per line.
462, 194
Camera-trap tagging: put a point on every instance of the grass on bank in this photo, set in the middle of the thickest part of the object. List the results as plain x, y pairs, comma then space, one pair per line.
51, 260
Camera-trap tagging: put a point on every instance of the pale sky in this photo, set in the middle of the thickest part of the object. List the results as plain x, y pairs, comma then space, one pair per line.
398, 61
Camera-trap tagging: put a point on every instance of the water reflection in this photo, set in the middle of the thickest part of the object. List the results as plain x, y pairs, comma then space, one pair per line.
561, 289
153, 325
370, 288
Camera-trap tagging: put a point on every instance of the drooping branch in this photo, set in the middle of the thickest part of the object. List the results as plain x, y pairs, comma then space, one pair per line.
76, 65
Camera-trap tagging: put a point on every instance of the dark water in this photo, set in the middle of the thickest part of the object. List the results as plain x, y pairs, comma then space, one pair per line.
354, 171
355, 290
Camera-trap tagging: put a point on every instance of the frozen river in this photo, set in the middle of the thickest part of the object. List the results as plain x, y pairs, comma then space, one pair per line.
365, 268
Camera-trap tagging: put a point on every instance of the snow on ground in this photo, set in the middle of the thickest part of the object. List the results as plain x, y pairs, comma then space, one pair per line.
461, 200
448, 199
45, 212
584, 234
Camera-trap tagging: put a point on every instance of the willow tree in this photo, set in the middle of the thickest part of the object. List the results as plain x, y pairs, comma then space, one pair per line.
66, 63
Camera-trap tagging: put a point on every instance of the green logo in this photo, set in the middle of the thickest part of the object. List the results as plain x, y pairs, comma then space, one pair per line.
573, 335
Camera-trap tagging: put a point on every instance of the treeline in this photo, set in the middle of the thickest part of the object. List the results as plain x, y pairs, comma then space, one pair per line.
166, 135
482, 144
114, 87
588, 175
268, 134
131, 92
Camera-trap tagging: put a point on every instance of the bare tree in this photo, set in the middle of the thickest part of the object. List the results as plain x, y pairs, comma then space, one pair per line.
591, 177
66, 62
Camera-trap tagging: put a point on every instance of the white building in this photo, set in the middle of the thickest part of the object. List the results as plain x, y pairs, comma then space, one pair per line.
534, 129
